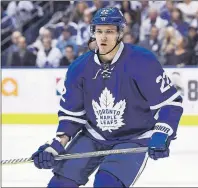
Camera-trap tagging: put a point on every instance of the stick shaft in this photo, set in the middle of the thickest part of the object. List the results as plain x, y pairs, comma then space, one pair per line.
81, 155
101, 153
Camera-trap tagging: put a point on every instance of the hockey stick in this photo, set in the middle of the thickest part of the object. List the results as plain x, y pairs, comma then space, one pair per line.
81, 155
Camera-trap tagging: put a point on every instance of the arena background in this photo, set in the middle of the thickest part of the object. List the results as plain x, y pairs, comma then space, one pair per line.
40, 39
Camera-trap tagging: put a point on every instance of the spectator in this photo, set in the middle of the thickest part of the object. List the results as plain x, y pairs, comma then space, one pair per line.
97, 4
189, 9
126, 7
79, 11
69, 56
12, 8
192, 38
152, 43
65, 22
166, 10
21, 12
6, 21
15, 37
25, 11
153, 20
159, 5
83, 29
178, 23
25, 6
14, 47
144, 19
60, 5
129, 38
3, 13
195, 57
136, 5
23, 57
82, 50
43, 33
142, 9
194, 22
65, 39
49, 56
170, 40
132, 26
12, 12
192, 44
180, 57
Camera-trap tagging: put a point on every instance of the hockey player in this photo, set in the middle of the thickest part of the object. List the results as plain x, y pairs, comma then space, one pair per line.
116, 96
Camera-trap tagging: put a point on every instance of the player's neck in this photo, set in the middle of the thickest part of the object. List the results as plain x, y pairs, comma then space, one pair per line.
109, 57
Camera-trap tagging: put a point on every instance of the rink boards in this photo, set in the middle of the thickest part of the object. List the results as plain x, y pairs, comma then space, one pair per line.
31, 96
187, 120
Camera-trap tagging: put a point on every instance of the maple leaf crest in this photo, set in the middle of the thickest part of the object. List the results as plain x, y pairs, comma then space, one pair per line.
109, 116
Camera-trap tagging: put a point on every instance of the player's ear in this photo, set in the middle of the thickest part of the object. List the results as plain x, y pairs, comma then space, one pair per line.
121, 34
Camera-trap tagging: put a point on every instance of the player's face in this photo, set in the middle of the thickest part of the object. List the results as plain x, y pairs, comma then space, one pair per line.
106, 37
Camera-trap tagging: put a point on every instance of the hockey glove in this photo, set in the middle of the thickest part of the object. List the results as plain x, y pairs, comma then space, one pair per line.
44, 156
159, 145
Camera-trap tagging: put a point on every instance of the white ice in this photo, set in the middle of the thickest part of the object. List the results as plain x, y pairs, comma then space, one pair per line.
18, 141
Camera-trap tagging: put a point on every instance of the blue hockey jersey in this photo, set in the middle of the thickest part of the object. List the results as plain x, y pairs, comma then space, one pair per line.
127, 100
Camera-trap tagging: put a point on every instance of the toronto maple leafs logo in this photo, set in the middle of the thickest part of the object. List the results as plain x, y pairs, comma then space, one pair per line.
109, 116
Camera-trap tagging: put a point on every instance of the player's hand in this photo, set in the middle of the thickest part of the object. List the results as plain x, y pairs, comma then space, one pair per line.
44, 156
159, 146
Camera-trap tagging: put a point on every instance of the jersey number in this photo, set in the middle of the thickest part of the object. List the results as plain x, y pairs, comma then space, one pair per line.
63, 92
165, 82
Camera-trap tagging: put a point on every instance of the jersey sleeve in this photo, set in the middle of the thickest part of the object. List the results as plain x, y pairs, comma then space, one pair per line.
164, 100
153, 82
71, 112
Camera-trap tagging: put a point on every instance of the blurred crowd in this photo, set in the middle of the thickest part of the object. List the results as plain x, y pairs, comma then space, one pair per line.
168, 28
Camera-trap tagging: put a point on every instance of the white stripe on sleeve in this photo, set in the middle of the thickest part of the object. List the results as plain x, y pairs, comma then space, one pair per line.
166, 102
175, 104
78, 120
67, 112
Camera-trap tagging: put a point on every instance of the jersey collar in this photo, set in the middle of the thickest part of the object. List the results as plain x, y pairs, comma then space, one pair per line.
117, 55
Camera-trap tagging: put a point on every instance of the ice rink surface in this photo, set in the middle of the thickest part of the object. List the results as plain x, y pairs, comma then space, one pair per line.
18, 141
